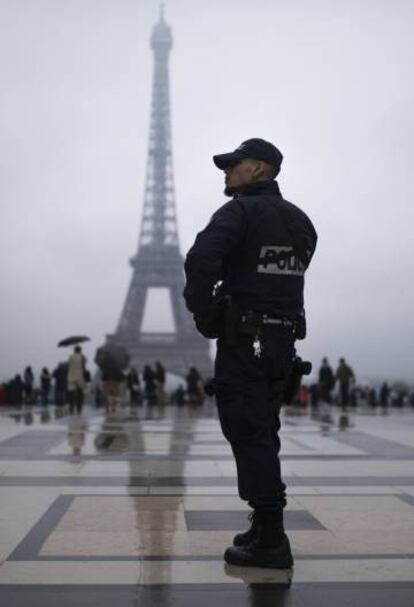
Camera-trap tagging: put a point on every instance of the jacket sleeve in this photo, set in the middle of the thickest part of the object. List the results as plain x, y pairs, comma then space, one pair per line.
205, 263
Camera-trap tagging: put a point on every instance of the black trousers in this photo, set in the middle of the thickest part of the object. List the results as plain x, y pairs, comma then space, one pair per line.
75, 400
344, 388
248, 393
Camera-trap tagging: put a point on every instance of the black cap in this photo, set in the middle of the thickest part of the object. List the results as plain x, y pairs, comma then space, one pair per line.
259, 149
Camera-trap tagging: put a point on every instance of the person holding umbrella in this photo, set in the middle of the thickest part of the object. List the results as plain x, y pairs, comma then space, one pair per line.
76, 380
76, 370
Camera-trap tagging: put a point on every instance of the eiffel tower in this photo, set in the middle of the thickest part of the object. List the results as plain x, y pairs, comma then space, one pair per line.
158, 264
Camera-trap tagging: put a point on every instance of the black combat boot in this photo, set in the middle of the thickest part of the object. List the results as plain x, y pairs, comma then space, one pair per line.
270, 548
243, 539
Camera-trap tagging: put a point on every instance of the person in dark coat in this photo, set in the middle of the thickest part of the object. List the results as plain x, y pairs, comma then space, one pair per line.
372, 397
245, 281
112, 378
28, 379
134, 387
60, 378
194, 381
15, 391
344, 375
45, 383
160, 378
384, 394
149, 378
326, 381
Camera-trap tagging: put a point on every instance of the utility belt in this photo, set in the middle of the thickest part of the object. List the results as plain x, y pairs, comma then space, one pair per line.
250, 323
256, 319
226, 320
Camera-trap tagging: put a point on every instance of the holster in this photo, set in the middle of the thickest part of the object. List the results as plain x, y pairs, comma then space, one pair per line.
298, 369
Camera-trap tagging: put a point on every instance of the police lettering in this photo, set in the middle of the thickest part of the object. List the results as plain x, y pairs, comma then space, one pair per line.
280, 260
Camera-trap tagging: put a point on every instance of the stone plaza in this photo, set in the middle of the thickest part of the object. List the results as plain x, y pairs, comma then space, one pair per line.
136, 507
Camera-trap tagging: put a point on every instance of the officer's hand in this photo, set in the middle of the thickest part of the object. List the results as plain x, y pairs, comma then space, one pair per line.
207, 325
209, 320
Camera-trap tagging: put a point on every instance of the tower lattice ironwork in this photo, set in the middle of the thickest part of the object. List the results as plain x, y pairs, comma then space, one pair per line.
158, 262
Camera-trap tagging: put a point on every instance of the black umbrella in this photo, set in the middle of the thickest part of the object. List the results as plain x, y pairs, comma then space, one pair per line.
74, 339
111, 357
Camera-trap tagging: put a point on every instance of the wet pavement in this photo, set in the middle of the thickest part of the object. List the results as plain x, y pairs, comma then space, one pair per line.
137, 507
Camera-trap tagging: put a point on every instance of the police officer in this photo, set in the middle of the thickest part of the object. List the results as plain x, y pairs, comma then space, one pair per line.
256, 249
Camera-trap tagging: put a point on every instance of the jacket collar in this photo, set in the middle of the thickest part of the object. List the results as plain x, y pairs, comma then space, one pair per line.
261, 187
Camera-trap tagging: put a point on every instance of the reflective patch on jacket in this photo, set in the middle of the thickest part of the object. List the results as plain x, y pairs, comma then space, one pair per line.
274, 263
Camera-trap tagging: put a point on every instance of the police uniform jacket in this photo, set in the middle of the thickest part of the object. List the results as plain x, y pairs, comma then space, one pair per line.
259, 245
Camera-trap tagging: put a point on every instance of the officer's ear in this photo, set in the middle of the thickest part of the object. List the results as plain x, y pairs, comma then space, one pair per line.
258, 170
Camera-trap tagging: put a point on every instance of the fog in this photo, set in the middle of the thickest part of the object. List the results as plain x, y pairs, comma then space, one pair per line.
330, 82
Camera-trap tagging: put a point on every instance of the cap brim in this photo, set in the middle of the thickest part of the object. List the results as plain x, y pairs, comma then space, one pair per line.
222, 161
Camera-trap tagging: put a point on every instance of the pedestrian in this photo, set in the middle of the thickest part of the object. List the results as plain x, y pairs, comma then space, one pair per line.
134, 387
160, 377
326, 381
76, 380
150, 386
344, 375
372, 397
60, 378
194, 383
384, 394
15, 391
28, 380
45, 383
256, 247
112, 378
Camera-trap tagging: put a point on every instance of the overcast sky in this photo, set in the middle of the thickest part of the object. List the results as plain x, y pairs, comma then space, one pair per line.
330, 82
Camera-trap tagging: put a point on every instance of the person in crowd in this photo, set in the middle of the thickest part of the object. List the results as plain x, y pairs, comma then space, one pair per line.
150, 386
60, 378
160, 377
194, 386
134, 386
344, 375
45, 383
372, 398
28, 380
112, 379
384, 394
76, 380
326, 381
15, 391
